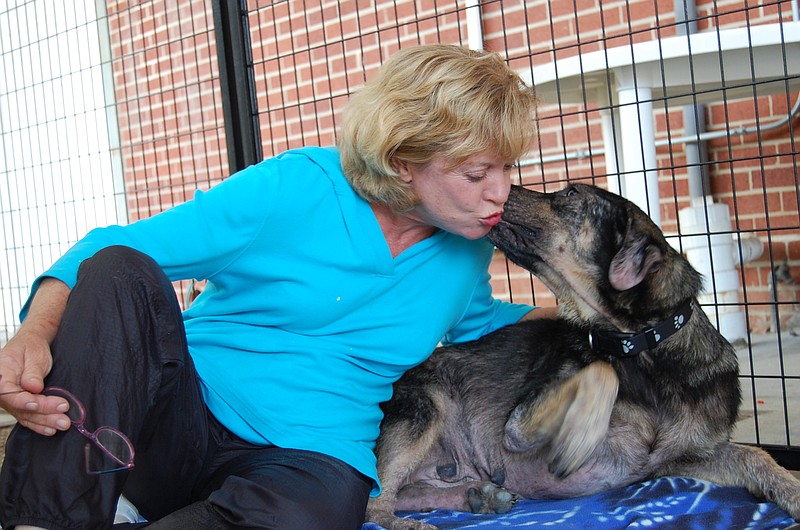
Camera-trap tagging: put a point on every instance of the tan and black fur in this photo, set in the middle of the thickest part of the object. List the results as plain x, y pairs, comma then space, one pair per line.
533, 410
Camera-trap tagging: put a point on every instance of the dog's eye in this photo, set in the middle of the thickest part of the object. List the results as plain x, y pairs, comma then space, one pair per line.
569, 192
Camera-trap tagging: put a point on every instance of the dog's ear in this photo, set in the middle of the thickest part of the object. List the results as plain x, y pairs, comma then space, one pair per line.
637, 257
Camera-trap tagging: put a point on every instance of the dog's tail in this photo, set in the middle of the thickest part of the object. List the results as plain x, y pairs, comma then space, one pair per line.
570, 418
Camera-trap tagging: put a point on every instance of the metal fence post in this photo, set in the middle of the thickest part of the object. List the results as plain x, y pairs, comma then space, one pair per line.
237, 83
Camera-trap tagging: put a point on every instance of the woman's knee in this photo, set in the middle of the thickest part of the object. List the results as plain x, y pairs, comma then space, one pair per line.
124, 273
118, 258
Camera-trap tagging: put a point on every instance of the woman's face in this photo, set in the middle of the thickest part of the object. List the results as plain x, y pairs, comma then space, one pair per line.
466, 200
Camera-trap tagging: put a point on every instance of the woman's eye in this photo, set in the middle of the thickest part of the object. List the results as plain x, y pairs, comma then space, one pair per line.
475, 177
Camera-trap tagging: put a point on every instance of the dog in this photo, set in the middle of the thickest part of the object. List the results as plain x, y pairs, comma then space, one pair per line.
632, 382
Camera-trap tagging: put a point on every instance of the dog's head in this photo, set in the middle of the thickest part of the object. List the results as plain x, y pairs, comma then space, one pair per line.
602, 257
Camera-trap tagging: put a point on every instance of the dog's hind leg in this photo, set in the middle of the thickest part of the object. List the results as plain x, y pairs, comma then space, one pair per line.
402, 447
570, 418
748, 467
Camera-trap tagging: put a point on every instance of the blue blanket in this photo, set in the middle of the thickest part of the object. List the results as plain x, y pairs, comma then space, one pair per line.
666, 503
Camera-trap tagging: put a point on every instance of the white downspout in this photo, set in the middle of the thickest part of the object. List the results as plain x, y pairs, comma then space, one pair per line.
637, 140
714, 252
612, 151
474, 25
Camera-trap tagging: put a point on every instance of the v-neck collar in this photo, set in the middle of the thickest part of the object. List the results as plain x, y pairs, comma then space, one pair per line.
363, 224
370, 230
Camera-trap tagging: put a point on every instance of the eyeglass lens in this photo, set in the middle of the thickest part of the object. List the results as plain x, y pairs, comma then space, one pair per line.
115, 444
110, 441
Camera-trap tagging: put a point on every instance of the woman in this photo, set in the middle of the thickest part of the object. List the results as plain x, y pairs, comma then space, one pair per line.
330, 272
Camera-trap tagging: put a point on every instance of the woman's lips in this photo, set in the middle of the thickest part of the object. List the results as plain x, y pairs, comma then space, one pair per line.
493, 219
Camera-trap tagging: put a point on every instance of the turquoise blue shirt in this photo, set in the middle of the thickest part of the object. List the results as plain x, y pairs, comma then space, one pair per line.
306, 319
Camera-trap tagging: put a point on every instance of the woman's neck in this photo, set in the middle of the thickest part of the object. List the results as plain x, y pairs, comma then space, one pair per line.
400, 231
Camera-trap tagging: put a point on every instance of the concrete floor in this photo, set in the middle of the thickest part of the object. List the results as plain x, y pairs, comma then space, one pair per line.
770, 411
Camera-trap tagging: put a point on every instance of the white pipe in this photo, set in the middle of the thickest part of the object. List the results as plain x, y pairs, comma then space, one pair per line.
474, 25
740, 131
637, 139
710, 135
610, 139
751, 249
120, 212
708, 242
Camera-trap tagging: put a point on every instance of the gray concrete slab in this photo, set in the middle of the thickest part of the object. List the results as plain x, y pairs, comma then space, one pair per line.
770, 411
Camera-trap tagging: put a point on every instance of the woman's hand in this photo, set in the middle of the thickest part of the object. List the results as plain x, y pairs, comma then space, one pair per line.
26, 360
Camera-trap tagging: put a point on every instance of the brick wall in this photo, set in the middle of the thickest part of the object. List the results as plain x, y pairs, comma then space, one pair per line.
168, 101
308, 56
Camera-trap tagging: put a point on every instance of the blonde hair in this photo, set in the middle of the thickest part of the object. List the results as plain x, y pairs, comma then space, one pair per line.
432, 100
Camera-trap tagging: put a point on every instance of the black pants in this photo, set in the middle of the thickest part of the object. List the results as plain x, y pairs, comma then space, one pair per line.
121, 349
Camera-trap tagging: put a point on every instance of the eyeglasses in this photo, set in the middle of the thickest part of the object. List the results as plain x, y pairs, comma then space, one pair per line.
116, 450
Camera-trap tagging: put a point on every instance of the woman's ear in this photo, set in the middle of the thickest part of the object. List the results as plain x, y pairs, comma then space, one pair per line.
403, 169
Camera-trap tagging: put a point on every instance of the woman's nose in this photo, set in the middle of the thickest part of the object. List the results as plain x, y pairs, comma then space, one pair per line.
500, 187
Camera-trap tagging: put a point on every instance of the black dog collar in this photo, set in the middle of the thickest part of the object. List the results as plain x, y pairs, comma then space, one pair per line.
621, 344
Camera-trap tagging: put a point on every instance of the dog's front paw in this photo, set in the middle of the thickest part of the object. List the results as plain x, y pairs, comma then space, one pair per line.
392, 522
490, 498
381, 512
410, 524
